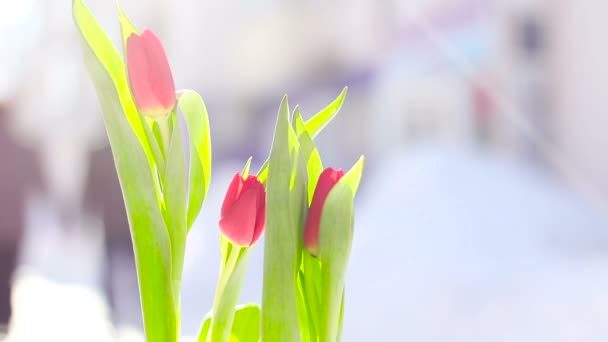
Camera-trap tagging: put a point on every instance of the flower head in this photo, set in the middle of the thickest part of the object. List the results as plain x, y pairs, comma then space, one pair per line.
244, 211
149, 74
328, 178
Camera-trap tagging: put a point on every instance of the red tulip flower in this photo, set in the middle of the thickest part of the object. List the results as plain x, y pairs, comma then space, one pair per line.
328, 178
244, 211
150, 76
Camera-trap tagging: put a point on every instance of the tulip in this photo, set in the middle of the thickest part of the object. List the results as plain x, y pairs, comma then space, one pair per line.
328, 178
150, 76
244, 211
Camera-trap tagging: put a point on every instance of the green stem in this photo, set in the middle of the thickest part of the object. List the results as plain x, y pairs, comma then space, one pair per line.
331, 302
178, 266
232, 275
165, 132
312, 297
341, 317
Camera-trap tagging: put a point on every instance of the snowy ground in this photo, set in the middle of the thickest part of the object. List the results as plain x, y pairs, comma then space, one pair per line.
450, 245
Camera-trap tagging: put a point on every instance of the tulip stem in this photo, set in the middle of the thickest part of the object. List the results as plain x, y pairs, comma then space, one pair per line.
165, 133
232, 274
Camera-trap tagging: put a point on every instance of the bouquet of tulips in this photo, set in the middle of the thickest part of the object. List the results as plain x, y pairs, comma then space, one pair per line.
161, 145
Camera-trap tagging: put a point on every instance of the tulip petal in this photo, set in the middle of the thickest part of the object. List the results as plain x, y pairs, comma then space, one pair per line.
234, 189
260, 221
159, 71
327, 180
137, 68
149, 73
239, 222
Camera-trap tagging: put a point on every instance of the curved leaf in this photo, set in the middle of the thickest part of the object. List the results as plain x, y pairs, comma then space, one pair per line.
335, 241
315, 125
126, 28
195, 113
311, 156
246, 327
175, 200
280, 315
245, 172
352, 178
227, 294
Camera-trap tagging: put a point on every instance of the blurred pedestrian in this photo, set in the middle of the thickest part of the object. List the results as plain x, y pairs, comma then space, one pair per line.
20, 174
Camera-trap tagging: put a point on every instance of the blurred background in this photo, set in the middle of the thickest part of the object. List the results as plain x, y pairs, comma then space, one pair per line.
483, 211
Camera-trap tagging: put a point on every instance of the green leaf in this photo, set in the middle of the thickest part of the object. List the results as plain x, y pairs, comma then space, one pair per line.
303, 311
310, 154
309, 284
245, 172
134, 168
157, 152
353, 176
126, 28
204, 330
315, 125
228, 291
225, 249
340, 320
232, 274
263, 172
175, 200
280, 316
298, 206
335, 241
195, 113
246, 327
158, 136
298, 209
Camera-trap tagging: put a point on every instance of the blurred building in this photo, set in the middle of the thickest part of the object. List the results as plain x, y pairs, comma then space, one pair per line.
580, 78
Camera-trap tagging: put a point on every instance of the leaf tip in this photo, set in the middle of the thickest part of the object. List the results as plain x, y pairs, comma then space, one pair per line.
353, 177
245, 172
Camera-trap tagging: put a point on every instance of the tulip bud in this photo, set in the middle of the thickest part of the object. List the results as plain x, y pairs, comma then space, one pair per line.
328, 178
150, 76
244, 211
